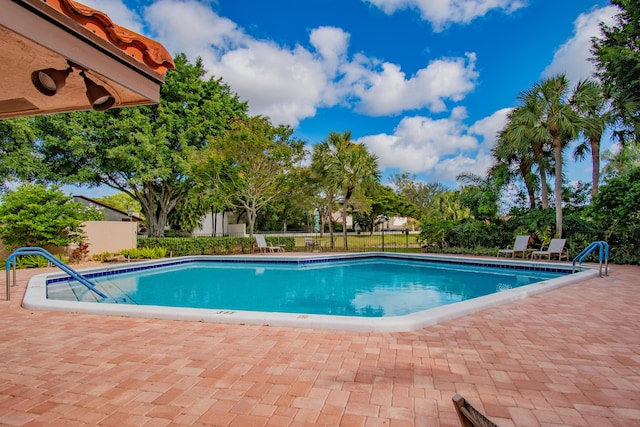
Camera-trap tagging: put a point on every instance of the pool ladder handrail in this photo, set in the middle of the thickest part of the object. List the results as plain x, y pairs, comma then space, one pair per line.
603, 255
11, 259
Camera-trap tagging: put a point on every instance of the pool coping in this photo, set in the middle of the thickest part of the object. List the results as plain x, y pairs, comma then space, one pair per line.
35, 295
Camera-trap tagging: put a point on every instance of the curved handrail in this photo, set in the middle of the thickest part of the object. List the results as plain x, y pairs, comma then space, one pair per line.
53, 260
603, 255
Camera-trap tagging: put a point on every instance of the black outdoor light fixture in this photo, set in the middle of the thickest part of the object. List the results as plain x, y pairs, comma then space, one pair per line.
50, 81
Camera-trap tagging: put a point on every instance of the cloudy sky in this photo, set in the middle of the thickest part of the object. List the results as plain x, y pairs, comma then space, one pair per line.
425, 84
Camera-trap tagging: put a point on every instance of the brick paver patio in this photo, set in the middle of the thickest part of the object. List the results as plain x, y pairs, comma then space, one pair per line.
567, 357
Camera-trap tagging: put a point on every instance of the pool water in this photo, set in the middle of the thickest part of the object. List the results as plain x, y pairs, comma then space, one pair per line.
376, 287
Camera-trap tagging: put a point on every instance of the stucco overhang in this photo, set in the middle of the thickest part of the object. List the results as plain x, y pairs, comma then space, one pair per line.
37, 34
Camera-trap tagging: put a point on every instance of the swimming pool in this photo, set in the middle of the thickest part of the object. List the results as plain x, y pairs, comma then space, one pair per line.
363, 292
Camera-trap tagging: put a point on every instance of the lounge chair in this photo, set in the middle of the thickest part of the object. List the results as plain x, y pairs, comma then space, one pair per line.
263, 247
470, 416
556, 247
310, 244
519, 247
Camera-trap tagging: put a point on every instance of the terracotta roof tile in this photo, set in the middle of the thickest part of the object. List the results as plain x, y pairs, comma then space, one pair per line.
144, 49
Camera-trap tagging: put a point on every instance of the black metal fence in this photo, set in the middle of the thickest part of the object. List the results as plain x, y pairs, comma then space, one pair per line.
386, 240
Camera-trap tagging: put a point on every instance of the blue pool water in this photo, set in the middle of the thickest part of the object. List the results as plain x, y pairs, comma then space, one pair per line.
370, 287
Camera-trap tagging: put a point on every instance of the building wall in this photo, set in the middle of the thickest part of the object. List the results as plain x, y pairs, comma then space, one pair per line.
110, 236
102, 236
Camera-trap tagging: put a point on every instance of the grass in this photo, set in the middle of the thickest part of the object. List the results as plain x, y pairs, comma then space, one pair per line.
364, 242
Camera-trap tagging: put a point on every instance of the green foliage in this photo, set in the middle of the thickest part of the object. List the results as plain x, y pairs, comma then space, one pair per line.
17, 148
419, 194
145, 253
34, 261
617, 209
123, 202
474, 237
617, 60
446, 206
480, 196
247, 166
183, 246
144, 151
468, 233
31, 261
623, 161
188, 213
34, 215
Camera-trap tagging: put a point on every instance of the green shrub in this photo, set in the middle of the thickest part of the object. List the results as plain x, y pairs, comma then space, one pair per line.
35, 261
145, 253
184, 246
102, 257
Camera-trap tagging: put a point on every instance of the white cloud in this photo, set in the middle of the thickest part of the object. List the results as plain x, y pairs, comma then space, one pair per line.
440, 149
193, 28
489, 127
571, 58
289, 84
442, 13
118, 12
385, 90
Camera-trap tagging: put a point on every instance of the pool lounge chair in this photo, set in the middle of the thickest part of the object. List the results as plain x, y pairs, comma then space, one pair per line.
263, 247
470, 416
519, 247
310, 244
556, 247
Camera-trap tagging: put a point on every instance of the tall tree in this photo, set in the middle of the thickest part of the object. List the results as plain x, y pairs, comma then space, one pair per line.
249, 164
562, 124
592, 106
622, 161
143, 151
17, 146
617, 61
419, 193
351, 169
480, 195
325, 189
514, 158
529, 130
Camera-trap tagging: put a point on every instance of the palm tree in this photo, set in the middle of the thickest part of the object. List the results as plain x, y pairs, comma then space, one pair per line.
320, 161
592, 106
623, 161
562, 124
351, 168
526, 133
512, 154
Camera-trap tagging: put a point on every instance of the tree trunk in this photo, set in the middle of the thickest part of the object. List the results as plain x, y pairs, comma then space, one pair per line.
557, 148
544, 188
344, 222
330, 210
595, 166
525, 171
251, 219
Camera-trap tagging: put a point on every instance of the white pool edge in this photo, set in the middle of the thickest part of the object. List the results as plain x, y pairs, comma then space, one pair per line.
35, 299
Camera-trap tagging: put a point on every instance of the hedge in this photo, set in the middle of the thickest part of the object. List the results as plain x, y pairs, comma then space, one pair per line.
183, 246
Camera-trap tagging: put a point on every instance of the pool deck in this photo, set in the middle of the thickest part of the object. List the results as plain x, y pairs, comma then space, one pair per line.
568, 357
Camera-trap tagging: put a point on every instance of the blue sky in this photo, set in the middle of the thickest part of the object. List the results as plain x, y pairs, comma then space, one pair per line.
425, 84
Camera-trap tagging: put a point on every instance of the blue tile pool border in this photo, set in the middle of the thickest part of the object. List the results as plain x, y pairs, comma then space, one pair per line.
322, 259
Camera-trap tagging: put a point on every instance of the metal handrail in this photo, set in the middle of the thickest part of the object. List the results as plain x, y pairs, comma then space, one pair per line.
53, 260
603, 255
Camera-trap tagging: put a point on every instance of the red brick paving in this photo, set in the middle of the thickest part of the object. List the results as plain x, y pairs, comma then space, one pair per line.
567, 357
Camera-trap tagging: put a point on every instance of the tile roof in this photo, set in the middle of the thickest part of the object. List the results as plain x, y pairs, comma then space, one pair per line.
143, 49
